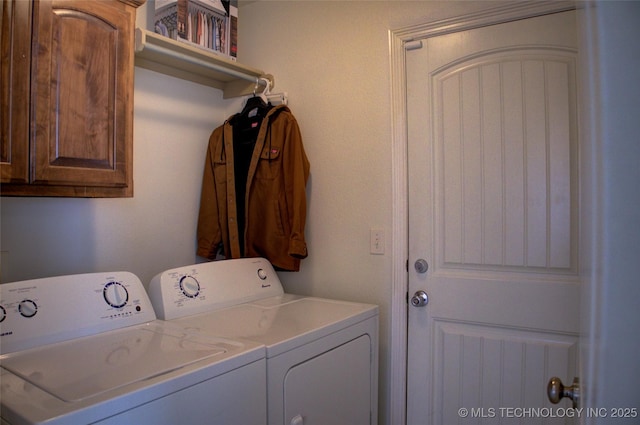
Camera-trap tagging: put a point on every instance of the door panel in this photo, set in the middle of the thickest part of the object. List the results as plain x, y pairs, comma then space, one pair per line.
506, 200
493, 209
474, 364
81, 94
15, 64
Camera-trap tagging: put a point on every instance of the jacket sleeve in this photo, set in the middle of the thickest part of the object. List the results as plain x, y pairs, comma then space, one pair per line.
296, 170
209, 232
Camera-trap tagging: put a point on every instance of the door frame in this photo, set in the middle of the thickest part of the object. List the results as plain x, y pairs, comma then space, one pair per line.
399, 41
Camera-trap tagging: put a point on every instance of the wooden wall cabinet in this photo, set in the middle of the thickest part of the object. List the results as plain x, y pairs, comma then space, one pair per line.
67, 97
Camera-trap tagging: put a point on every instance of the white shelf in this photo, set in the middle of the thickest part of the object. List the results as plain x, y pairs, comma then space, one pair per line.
182, 60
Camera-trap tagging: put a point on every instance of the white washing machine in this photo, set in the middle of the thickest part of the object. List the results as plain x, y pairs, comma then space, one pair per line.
87, 349
322, 355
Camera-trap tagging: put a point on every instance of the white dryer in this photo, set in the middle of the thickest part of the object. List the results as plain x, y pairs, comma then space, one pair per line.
87, 349
322, 355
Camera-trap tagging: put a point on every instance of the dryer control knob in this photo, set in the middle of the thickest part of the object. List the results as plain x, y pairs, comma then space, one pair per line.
297, 420
189, 286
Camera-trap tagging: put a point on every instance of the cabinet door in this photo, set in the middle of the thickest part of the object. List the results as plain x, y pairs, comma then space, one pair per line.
15, 57
82, 92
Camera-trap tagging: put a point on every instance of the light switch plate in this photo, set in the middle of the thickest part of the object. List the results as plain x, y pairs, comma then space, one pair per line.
377, 241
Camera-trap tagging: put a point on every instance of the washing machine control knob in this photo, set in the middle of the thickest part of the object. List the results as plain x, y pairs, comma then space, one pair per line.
3, 314
27, 308
115, 294
189, 286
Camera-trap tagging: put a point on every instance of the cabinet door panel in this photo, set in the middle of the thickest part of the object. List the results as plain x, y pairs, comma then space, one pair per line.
83, 70
15, 57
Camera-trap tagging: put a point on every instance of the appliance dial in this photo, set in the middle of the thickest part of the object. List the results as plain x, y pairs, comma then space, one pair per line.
189, 286
3, 314
115, 294
27, 308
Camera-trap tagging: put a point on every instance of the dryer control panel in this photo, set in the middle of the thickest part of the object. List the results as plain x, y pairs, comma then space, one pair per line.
43, 311
197, 288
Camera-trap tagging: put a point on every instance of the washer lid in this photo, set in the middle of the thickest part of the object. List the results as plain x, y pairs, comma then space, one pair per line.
83, 368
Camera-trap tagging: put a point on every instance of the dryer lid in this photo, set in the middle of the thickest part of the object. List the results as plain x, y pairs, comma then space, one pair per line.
281, 323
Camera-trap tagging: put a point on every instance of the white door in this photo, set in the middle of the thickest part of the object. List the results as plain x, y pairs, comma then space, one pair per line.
493, 210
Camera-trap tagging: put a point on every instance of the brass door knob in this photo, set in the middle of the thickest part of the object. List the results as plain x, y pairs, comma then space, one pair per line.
556, 391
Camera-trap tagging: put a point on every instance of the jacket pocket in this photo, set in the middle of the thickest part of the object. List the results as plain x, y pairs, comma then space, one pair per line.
269, 164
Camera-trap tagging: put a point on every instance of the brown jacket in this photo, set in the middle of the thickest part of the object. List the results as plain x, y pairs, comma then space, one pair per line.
275, 201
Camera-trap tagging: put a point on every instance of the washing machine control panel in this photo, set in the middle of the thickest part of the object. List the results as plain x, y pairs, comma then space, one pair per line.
197, 288
36, 312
